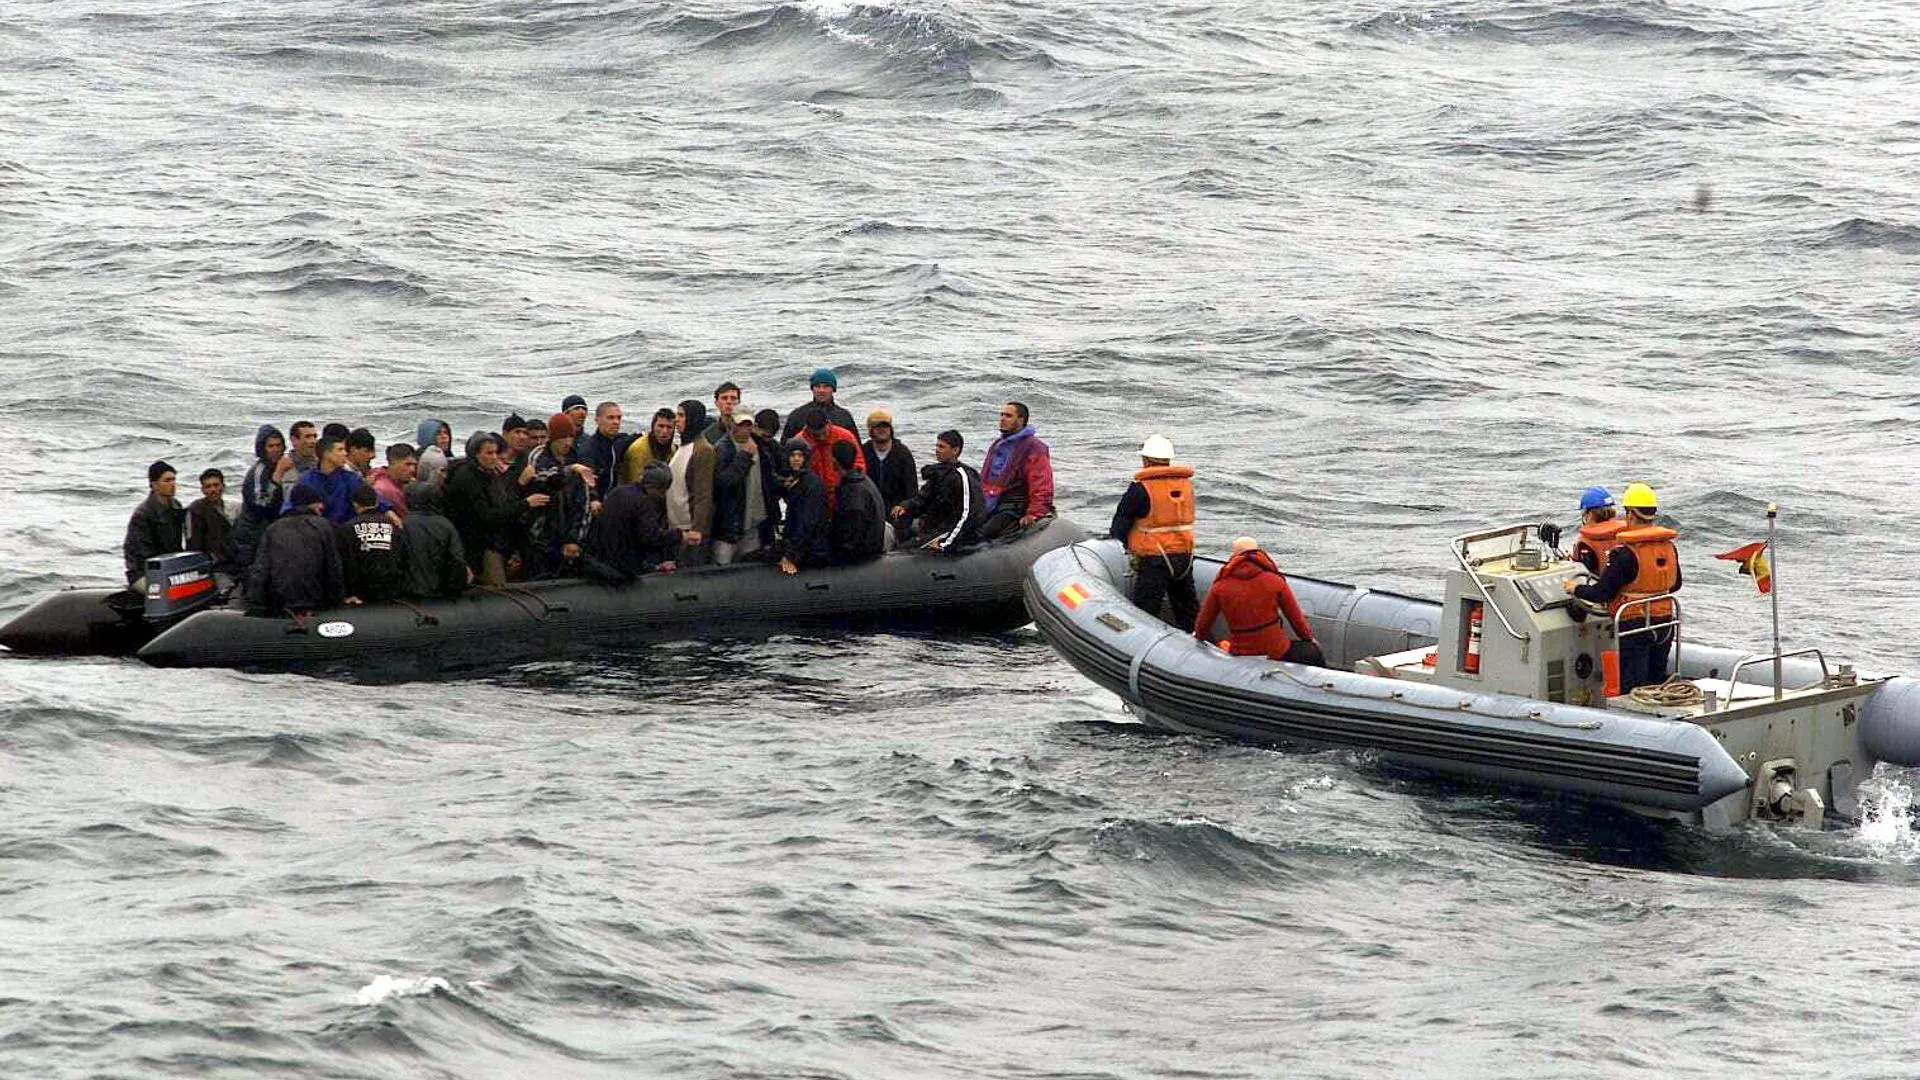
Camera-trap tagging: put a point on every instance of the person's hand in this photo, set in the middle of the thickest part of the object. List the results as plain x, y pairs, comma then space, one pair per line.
527, 474
691, 536
282, 467
352, 601
502, 465
394, 516
469, 575
897, 512
787, 567
586, 473
593, 508
1568, 586
539, 501
931, 545
1028, 520
668, 567
571, 551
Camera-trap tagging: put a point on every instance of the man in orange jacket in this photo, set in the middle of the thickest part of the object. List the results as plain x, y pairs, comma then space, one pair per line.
1155, 518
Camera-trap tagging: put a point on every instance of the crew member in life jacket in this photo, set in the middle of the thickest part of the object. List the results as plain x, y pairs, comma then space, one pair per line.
1155, 518
1644, 563
1599, 529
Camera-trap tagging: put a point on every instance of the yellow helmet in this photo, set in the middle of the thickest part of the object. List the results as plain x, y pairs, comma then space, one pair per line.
1639, 497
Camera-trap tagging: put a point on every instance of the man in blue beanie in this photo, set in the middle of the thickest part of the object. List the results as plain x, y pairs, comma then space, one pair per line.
824, 384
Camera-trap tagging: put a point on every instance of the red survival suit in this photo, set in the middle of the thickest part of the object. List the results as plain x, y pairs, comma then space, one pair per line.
1251, 593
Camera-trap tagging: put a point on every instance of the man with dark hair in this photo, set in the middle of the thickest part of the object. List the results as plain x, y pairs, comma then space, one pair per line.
719, 434
859, 530
950, 506
210, 520
373, 552
766, 428
156, 525
537, 434
631, 536
334, 429
889, 462
303, 449
360, 452
603, 450
333, 479
575, 407
390, 481
482, 509
804, 514
514, 430
298, 567
436, 563
824, 384
655, 445
1017, 475
821, 437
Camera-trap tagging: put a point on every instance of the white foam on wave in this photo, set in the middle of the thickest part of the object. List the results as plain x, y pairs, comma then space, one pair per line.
1886, 815
387, 986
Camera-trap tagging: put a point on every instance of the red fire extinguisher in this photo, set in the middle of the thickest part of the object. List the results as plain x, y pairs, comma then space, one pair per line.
1471, 662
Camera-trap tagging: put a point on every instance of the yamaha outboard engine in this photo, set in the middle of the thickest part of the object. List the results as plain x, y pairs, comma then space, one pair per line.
179, 585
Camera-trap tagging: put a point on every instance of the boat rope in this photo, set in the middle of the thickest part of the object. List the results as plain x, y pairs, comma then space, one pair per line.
420, 617
1675, 693
514, 595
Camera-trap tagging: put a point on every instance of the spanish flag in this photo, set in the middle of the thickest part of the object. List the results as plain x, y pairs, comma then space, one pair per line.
1074, 595
1753, 560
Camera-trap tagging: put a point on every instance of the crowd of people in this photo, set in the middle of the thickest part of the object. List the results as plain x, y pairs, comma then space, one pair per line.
317, 523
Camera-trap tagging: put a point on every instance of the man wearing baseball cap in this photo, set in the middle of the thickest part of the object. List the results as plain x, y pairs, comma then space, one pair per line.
889, 463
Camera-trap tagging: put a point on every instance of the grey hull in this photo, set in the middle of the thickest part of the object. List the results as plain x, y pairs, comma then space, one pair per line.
1176, 682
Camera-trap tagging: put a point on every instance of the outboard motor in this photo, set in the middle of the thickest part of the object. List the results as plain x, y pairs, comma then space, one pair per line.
179, 585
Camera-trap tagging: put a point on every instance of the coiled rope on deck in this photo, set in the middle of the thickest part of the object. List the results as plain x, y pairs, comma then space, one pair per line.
1675, 693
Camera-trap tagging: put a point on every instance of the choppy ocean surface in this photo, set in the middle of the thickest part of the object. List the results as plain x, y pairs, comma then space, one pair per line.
1385, 272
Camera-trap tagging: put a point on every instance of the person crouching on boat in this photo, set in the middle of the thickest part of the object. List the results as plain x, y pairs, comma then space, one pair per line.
1155, 518
1252, 595
631, 536
1643, 564
298, 567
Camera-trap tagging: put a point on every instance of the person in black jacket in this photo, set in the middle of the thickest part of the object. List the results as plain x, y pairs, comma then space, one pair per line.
298, 565
373, 552
859, 529
482, 508
156, 527
804, 538
824, 384
436, 562
746, 494
950, 506
603, 450
889, 463
631, 536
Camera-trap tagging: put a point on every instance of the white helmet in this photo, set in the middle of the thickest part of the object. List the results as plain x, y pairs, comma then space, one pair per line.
1158, 447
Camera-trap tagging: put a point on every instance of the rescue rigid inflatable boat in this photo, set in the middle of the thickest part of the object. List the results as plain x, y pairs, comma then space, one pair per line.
977, 588
1535, 713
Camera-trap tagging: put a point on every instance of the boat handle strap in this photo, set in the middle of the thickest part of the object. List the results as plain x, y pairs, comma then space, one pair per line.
1139, 658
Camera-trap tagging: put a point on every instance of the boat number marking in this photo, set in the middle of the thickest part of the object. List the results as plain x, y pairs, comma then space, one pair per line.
335, 629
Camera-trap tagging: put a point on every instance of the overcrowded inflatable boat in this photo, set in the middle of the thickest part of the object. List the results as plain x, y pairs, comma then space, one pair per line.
184, 622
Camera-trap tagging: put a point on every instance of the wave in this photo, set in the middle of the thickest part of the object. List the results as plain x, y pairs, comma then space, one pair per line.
1868, 234
1539, 24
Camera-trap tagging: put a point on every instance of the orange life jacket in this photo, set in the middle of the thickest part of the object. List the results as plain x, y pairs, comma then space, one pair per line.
1601, 538
1168, 527
1659, 563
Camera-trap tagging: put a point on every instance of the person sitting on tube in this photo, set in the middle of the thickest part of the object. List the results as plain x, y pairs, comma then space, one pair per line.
1253, 596
298, 567
804, 513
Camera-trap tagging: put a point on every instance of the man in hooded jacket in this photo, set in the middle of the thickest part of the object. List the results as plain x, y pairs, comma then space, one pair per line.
804, 513
1252, 596
263, 492
1017, 475
436, 562
483, 508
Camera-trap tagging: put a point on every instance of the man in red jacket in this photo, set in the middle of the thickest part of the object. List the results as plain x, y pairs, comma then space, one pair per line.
1252, 595
820, 437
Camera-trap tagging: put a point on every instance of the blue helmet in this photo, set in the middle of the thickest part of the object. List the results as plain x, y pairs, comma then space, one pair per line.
1596, 498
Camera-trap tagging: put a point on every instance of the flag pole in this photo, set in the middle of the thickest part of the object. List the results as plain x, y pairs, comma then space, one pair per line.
1773, 519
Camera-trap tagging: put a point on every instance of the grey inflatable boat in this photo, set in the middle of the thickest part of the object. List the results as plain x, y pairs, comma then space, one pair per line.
1535, 713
